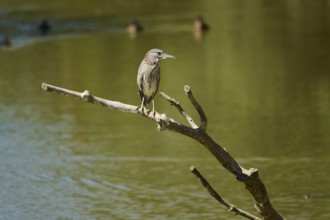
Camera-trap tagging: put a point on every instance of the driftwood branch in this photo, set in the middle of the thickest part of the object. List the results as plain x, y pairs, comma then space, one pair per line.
249, 177
231, 207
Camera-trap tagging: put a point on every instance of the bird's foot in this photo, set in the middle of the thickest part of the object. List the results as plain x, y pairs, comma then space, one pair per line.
153, 112
140, 109
143, 110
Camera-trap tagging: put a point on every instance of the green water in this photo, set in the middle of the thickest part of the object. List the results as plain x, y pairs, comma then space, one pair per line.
261, 75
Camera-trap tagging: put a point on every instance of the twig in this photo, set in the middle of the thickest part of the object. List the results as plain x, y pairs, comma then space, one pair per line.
197, 107
180, 109
231, 207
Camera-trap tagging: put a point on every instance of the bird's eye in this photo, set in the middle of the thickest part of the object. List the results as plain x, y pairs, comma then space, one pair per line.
159, 53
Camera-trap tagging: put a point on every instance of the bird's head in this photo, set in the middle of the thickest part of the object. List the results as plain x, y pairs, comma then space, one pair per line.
158, 54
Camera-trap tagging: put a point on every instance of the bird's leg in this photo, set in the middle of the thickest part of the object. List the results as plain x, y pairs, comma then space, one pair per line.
153, 105
142, 105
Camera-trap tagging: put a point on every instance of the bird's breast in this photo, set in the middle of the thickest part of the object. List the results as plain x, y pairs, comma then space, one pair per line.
149, 74
150, 82
149, 90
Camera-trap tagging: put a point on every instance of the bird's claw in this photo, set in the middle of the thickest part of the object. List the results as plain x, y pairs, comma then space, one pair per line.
140, 110
151, 111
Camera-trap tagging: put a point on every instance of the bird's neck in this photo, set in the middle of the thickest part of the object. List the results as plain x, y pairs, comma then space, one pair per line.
153, 61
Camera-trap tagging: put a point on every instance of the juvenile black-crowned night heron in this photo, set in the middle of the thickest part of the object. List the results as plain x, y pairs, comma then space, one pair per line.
148, 76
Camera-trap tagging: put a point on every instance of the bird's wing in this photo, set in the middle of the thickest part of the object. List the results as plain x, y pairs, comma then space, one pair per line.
158, 80
140, 82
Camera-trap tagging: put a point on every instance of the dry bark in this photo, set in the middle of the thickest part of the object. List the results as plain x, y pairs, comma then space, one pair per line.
249, 177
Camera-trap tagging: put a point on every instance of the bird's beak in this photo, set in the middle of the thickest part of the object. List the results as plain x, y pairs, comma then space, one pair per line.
165, 56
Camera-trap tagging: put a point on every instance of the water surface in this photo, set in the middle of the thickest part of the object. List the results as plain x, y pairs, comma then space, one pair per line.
261, 74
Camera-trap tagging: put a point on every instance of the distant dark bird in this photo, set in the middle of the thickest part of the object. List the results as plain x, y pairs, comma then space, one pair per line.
44, 27
200, 25
148, 76
5, 42
134, 28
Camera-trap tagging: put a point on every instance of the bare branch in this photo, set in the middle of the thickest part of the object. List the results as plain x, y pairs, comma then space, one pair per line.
163, 121
249, 177
88, 97
197, 107
176, 104
231, 207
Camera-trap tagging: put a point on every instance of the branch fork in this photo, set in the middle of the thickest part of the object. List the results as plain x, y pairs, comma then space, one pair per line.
250, 177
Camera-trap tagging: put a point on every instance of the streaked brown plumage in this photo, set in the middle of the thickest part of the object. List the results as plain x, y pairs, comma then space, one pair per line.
148, 76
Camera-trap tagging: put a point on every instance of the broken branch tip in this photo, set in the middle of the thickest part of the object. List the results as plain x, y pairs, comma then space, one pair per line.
187, 88
192, 168
44, 86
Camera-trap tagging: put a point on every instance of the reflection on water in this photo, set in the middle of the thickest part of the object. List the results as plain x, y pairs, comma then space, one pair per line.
24, 33
261, 73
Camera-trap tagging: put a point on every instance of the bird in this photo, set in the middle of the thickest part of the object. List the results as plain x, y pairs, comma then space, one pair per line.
148, 76
134, 28
200, 25
44, 27
5, 42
